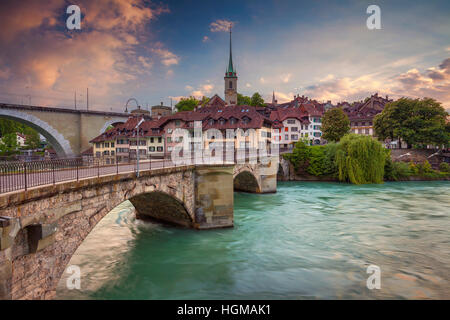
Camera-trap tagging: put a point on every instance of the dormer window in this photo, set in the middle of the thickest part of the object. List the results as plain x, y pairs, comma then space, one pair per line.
211, 121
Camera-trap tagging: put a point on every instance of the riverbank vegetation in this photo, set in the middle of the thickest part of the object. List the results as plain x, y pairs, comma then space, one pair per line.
358, 159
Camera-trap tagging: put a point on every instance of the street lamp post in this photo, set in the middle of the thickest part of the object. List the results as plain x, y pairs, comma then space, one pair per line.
137, 147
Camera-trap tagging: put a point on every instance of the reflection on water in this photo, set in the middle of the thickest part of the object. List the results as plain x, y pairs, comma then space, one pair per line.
309, 240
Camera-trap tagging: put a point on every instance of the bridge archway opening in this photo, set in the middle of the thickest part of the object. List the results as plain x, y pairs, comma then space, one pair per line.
54, 138
155, 206
160, 206
247, 182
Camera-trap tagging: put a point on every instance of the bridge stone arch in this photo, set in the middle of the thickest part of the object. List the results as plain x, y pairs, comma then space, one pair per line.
68, 130
260, 177
245, 180
44, 226
111, 122
60, 144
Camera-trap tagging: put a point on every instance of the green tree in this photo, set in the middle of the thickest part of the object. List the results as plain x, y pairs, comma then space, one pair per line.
335, 124
360, 159
418, 122
33, 141
187, 104
257, 100
204, 101
243, 100
299, 156
8, 126
8, 144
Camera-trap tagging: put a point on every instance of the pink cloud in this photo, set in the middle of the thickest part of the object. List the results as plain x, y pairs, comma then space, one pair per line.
53, 64
221, 25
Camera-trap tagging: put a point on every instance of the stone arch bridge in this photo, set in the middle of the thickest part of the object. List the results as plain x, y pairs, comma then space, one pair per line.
68, 131
41, 228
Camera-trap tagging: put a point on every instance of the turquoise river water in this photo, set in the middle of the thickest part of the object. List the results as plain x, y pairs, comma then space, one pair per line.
308, 241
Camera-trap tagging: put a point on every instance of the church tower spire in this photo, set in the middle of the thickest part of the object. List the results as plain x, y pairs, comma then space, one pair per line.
230, 80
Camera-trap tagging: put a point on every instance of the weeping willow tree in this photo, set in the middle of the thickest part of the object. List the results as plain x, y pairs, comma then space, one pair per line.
360, 159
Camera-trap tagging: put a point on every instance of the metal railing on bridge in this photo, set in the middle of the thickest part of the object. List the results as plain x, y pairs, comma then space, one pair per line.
17, 175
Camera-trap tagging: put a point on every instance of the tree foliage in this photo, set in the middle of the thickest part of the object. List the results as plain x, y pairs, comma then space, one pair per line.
9, 129
8, 144
418, 122
243, 100
360, 159
335, 124
187, 104
255, 100
314, 160
32, 141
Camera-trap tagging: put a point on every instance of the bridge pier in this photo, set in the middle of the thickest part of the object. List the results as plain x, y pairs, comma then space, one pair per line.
41, 228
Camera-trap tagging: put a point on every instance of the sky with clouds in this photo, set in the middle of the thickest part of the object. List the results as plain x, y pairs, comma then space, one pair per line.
154, 51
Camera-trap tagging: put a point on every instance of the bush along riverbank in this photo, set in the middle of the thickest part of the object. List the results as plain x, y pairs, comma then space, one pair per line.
357, 159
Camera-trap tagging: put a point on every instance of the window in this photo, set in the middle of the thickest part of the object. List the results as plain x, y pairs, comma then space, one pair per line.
112, 152
294, 136
97, 145
367, 131
112, 144
177, 123
142, 142
291, 121
286, 129
230, 84
106, 144
151, 149
286, 137
169, 148
294, 129
211, 121
169, 130
160, 149
152, 140
159, 139
169, 139
98, 154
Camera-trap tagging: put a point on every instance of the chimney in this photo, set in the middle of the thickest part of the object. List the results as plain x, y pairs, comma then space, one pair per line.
161, 103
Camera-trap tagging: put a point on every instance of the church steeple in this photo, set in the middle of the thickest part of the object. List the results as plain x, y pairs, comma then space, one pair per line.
230, 80
230, 71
